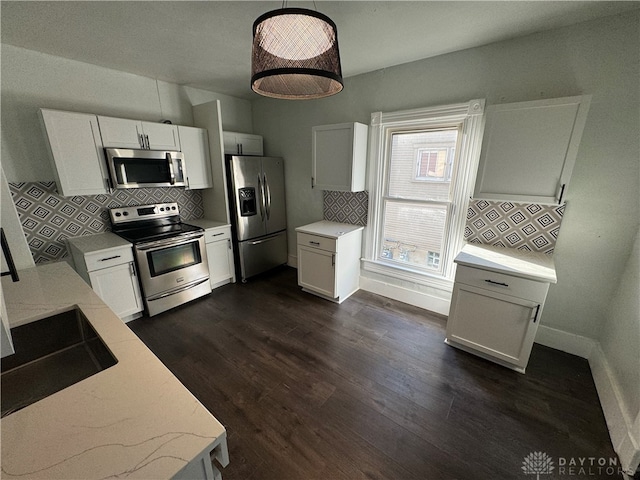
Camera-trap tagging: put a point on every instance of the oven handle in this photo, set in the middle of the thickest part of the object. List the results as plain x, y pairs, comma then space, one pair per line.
177, 290
169, 242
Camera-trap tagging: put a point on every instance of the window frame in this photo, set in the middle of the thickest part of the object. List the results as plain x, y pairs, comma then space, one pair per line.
469, 116
447, 168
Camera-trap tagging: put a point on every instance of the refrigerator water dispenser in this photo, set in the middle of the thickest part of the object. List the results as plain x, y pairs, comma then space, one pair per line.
247, 198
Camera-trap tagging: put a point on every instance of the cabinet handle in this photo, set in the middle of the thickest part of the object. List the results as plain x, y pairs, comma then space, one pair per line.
146, 137
217, 234
109, 258
561, 193
312, 183
317, 244
535, 317
229, 243
132, 269
497, 283
333, 260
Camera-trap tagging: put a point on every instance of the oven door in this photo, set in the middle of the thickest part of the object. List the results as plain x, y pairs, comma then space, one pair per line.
172, 265
145, 168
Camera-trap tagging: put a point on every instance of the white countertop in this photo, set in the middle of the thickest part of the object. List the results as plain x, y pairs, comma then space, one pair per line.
134, 419
530, 265
328, 229
99, 241
206, 224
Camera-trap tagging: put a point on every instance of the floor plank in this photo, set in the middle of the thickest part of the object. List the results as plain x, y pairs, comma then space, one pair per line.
309, 389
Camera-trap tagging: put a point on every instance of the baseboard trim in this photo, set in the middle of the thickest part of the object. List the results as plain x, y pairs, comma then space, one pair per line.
621, 427
417, 299
565, 341
293, 261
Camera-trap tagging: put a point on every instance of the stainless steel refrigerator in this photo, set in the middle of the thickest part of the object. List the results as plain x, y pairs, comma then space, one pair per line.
258, 215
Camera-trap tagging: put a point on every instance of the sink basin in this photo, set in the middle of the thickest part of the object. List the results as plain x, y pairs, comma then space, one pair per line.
51, 354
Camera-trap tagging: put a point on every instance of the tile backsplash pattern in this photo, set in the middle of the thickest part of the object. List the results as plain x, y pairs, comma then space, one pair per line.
346, 207
524, 226
48, 218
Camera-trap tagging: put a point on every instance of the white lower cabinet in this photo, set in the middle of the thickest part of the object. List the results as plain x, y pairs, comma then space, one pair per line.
329, 259
220, 255
110, 269
495, 314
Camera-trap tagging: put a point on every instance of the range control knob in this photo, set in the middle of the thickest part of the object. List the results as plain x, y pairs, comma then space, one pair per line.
118, 214
125, 213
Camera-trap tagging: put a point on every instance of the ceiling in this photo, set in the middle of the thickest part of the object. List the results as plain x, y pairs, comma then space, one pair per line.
207, 44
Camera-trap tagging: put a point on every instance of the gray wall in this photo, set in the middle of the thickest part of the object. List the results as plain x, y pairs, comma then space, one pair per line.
598, 58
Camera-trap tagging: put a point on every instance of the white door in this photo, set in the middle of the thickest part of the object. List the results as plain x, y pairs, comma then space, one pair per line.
161, 136
492, 323
316, 271
121, 132
118, 288
77, 153
195, 147
220, 257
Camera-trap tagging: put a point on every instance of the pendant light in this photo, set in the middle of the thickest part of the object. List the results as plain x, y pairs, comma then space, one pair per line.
295, 55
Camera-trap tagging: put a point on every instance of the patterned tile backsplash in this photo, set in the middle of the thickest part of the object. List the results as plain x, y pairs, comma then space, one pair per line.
524, 226
346, 207
48, 218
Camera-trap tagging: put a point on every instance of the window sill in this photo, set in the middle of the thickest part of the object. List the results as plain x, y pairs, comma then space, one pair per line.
409, 275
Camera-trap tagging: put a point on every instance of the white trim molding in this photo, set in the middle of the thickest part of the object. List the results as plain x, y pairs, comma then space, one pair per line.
565, 341
623, 430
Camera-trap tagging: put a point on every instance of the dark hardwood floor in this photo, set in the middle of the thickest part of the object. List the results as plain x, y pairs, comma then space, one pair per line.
308, 389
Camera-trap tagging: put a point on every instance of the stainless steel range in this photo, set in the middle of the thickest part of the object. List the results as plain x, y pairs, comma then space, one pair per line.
171, 255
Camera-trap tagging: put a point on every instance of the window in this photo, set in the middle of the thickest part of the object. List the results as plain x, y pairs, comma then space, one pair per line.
423, 164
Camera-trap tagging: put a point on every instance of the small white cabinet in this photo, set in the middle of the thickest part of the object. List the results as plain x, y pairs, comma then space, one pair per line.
236, 143
194, 143
105, 261
329, 259
339, 157
529, 149
135, 134
497, 301
217, 238
76, 152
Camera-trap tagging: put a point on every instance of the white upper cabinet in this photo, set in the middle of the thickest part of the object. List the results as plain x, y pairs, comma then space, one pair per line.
197, 163
529, 149
76, 151
242, 144
124, 133
339, 157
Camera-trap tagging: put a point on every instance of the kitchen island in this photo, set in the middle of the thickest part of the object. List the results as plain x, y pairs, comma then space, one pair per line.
134, 419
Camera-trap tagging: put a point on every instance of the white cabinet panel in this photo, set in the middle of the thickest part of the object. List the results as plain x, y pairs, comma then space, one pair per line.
529, 149
236, 143
339, 157
195, 148
135, 134
76, 152
118, 288
316, 270
220, 255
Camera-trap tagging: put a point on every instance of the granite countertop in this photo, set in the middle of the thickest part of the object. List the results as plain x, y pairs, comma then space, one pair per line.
329, 229
134, 419
206, 224
530, 265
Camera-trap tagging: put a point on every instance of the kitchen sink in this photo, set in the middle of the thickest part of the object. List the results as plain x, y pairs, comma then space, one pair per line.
51, 354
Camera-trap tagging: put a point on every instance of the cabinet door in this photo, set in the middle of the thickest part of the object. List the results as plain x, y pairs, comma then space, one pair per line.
161, 136
250, 144
76, 152
529, 149
500, 326
121, 132
230, 144
194, 143
220, 257
316, 271
118, 288
339, 157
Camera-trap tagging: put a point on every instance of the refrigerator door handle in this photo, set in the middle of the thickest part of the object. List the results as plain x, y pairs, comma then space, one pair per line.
268, 196
261, 193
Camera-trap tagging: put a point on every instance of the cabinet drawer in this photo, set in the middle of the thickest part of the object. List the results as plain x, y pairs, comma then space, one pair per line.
216, 234
502, 283
316, 241
108, 258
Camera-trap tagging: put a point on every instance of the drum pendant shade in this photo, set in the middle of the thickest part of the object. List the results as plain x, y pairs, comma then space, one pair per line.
295, 55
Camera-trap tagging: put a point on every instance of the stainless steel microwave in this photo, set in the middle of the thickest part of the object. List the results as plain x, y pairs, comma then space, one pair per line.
145, 168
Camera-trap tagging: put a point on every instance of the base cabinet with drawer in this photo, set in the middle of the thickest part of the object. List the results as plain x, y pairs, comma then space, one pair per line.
495, 311
217, 238
329, 259
105, 261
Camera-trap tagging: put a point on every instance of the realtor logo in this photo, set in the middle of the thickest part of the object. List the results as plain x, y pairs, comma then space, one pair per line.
537, 463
